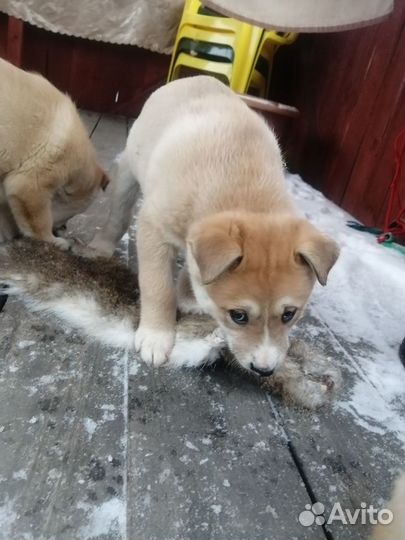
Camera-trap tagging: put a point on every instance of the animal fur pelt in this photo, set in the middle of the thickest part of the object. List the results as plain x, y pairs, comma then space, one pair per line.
100, 298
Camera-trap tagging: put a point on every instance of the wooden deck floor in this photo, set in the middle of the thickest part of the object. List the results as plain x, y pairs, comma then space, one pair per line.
94, 445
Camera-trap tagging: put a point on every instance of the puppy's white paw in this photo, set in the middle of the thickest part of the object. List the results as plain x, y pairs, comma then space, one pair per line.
154, 346
189, 305
61, 243
88, 251
104, 247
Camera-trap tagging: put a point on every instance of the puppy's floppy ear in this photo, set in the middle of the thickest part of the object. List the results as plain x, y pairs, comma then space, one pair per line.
318, 251
216, 248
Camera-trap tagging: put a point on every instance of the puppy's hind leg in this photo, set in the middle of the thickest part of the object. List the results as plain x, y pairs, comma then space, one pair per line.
123, 193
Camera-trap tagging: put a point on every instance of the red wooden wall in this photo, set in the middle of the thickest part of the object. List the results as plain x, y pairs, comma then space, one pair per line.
349, 87
99, 76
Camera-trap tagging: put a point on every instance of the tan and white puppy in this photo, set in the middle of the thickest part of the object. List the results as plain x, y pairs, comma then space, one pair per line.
211, 176
48, 168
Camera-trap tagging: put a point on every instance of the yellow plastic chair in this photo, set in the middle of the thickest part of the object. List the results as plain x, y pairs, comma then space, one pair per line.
257, 85
187, 65
263, 61
232, 50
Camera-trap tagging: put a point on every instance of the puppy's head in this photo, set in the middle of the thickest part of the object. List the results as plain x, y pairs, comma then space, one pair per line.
76, 195
254, 274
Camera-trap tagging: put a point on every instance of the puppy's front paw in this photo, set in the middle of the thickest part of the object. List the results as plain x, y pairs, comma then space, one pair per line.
61, 243
105, 248
154, 346
87, 251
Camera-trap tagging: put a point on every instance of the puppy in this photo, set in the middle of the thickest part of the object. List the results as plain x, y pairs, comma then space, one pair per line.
211, 175
48, 168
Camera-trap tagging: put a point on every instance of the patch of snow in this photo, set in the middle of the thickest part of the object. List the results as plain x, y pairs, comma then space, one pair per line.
108, 407
54, 474
108, 416
106, 520
90, 426
133, 367
7, 518
191, 446
20, 475
216, 508
46, 379
164, 475
25, 343
363, 305
272, 511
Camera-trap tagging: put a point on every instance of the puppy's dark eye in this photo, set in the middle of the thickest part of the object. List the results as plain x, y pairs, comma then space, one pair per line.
239, 316
288, 315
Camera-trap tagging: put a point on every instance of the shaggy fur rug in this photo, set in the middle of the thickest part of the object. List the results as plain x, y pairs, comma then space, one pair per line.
100, 298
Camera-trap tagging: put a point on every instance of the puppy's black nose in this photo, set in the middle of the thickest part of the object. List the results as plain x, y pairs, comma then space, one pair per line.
261, 372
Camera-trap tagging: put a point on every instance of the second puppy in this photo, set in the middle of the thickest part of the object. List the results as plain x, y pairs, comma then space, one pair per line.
211, 175
48, 167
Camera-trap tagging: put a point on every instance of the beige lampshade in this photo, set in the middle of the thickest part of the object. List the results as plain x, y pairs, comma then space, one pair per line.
305, 15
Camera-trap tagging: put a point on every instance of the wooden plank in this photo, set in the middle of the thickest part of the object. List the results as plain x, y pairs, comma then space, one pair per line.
113, 78
270, 107
207, 459
59, 65
371, 205
15, 35
365, 191
335, 80
344, 102
3, 34
62, 424
346, 459
99, 76
364, 84
35, 51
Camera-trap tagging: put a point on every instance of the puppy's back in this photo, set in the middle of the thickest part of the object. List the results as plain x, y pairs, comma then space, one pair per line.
196, 135
37, 121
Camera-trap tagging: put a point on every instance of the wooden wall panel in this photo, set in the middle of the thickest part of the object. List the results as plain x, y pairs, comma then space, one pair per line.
3, 34
98, 76
349, 87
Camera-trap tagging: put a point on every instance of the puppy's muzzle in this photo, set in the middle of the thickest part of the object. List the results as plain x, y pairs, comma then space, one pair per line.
261, 372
